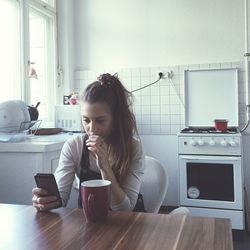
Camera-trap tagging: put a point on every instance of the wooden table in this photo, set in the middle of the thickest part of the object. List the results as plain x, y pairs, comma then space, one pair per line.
22, 227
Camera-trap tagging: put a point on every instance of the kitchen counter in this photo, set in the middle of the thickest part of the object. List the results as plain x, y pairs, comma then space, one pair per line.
37, 143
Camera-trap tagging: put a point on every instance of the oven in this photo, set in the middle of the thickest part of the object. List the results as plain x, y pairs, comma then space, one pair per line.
211, 178
211, 181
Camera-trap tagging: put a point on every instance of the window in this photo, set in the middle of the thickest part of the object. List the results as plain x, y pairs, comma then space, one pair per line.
10, 74
42, 62
28, 64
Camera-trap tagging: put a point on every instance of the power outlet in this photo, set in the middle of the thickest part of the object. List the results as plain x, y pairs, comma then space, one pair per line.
166, 75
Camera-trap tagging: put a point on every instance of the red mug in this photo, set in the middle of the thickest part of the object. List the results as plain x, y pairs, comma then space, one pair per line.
221, 124
96, 199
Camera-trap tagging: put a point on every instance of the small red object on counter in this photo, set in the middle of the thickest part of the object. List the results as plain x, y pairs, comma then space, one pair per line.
221, 124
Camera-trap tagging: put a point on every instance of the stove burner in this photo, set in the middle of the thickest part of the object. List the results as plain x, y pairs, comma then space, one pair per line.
209, 130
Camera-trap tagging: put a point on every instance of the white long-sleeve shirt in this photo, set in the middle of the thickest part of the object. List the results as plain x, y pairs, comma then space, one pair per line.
70, 159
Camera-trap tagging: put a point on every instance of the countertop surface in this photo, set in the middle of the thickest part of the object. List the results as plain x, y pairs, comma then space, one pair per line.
37, 143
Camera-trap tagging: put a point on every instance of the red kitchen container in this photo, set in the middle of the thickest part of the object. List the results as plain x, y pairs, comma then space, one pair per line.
220, 124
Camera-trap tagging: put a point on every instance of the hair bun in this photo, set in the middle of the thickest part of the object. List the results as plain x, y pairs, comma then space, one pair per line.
106, 79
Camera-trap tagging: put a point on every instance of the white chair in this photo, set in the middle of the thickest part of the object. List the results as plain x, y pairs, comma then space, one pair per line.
154, 185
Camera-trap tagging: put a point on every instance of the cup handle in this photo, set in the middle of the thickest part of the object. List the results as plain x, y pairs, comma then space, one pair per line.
91, 205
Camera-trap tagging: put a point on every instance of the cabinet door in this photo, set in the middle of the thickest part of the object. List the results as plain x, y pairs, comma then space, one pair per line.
54, 164
17, 176
50, 161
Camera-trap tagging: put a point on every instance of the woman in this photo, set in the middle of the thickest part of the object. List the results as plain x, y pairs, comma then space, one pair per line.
108, 150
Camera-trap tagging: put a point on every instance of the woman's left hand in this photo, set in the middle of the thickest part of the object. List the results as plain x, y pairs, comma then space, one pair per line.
98, 146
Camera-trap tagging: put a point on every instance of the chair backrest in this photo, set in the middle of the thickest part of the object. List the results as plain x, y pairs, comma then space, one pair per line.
154, 185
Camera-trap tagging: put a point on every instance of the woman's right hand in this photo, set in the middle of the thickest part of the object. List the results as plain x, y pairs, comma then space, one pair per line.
41, 201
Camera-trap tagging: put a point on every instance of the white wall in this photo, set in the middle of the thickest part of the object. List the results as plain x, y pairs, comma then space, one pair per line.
66, 51
128, 33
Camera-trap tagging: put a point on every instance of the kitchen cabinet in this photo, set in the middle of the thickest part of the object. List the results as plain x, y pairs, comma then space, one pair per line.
20, 161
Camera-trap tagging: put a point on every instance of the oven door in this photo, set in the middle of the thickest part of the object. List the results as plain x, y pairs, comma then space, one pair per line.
211, 181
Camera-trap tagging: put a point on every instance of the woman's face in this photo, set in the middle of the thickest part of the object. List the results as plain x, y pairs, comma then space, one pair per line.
97, 119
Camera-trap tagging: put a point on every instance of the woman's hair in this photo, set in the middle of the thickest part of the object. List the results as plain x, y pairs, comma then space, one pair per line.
109, 89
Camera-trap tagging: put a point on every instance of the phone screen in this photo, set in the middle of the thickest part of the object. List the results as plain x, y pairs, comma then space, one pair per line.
48, 182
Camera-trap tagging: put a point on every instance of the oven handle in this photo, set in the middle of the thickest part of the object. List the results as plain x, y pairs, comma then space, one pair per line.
217, 158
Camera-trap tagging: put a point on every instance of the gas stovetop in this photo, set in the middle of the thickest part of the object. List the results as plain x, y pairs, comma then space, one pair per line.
209, 130
209, 141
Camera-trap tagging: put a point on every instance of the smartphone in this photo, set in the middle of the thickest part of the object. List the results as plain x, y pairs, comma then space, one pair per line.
48, 182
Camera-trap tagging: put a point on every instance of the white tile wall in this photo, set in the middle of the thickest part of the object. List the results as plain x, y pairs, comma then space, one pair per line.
159, 108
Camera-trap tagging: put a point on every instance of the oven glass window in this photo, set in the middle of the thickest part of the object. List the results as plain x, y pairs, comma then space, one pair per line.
210, 181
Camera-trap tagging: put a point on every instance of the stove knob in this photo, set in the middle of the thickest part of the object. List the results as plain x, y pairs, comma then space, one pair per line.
212, 142
233, 143
192, 142
201, 142
223, 143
